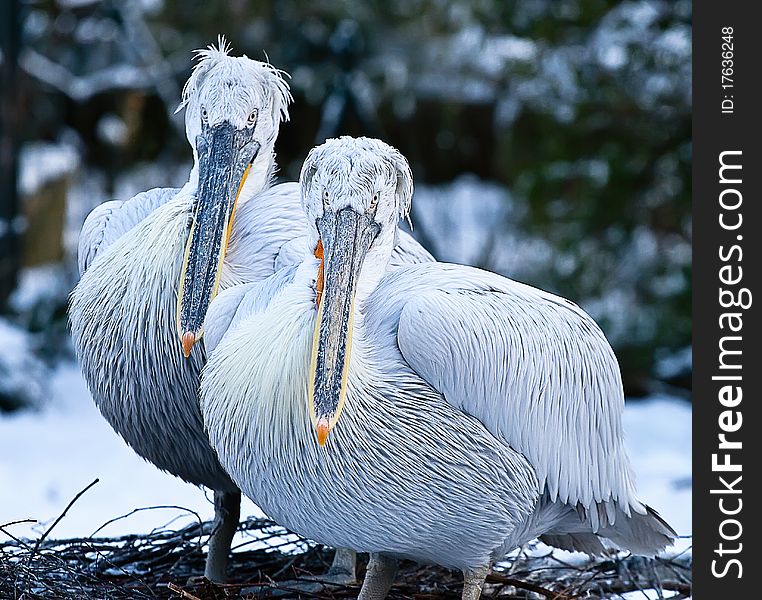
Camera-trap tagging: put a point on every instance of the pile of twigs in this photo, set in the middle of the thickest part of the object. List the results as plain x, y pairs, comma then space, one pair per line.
168, 564
272, 562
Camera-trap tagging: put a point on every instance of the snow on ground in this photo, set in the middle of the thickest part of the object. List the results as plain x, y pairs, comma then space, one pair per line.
47, 457
648, 595
658, 439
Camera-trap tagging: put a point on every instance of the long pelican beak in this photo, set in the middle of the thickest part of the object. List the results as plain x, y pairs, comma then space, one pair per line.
346, 236
225, 155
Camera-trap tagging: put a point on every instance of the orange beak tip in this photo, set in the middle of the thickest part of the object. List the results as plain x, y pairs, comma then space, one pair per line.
322, 431
188, 340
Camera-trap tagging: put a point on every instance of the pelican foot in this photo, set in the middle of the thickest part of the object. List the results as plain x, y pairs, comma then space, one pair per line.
227, 512
379, 577
473, 582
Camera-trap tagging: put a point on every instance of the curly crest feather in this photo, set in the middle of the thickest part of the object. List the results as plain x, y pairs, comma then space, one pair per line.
264, 80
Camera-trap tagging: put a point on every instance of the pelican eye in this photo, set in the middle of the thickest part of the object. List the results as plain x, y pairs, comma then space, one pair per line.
374, 202
325, 197
252, 117
204, 114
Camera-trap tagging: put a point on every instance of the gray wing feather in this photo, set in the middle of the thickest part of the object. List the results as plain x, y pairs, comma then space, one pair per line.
107, 222
533, 367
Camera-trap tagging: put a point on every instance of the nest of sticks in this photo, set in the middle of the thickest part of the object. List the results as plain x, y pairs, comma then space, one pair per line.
271, 562
168, 564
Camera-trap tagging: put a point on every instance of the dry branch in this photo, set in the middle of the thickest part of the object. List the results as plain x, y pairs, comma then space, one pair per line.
168, 564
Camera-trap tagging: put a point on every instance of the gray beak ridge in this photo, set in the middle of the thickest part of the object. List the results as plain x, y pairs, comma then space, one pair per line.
346, 236
225, 155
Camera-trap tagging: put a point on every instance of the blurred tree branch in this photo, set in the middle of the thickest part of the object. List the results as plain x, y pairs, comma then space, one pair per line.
142, 66
80, 88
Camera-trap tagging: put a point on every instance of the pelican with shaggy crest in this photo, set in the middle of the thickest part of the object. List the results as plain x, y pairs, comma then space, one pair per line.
150, 267
433, 412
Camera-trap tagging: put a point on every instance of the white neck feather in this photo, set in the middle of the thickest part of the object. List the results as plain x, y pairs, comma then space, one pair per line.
260, 176
375, 265
279, 387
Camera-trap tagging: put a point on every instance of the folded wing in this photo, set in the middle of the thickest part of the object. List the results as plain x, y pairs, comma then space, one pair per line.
533, 368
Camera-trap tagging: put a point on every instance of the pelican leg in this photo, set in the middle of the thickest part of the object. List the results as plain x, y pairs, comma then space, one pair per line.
378, 578
227, 512
473, 581
343, 567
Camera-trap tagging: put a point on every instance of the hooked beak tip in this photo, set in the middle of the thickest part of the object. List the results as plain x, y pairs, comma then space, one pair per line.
322, 429
188, 340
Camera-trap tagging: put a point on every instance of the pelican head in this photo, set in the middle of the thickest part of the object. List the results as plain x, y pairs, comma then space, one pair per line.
234, 107
354, 191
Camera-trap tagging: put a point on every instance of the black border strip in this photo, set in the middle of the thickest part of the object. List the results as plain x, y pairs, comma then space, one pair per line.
714, 132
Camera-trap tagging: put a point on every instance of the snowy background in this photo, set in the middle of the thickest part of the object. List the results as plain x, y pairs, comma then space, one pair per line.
550, 141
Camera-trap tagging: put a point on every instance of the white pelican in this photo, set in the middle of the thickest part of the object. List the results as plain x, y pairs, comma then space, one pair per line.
151, 266
468, 413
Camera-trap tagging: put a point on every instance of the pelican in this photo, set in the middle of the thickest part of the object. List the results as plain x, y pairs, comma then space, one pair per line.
150, 266
434, 412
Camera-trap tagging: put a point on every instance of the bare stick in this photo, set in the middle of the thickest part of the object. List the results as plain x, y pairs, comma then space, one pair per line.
61, 516
144, 508
178, 590
15, 539
19, 522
